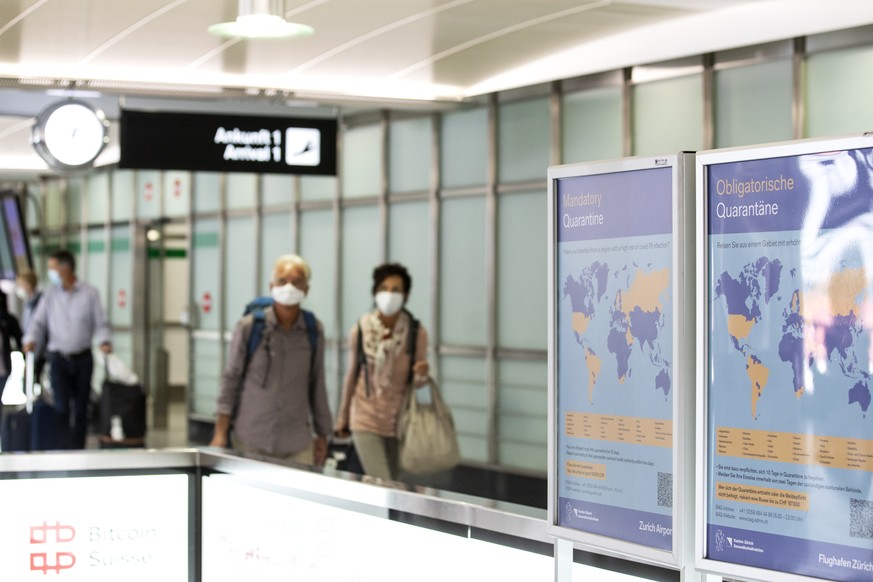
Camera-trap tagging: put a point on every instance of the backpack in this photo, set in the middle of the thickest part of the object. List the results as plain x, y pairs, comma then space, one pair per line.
257, 308
411, 341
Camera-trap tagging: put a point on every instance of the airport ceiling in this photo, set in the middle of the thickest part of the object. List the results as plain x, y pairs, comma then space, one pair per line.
364, 54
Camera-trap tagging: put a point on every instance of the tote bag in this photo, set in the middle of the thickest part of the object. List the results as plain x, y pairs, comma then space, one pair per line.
428, 441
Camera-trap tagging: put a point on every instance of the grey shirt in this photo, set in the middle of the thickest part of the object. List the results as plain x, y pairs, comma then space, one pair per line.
73, 318
274, 413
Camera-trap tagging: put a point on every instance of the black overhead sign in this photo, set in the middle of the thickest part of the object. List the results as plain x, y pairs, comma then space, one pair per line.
227, 143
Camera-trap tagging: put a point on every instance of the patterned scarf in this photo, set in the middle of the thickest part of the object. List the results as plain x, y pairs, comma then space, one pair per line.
384, 344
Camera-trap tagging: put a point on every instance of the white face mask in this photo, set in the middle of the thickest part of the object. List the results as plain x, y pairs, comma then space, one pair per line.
20, 293
54, 277
389, 302
287, 295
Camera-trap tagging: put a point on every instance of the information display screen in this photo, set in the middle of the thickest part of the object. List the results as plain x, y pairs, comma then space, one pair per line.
614, 337
788, 292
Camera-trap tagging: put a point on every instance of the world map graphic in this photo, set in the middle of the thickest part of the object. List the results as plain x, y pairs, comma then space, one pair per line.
763, 289
618, 311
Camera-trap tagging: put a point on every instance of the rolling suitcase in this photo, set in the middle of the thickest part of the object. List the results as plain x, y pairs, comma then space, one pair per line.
15, 431
122, 414
36, 425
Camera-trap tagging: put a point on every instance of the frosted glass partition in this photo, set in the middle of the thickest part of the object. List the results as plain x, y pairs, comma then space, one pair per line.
149, 190
206, 289
75, 195
361, 167
97, 198
522, 415
838, 93
240, 278
409, 145
318, 187
121, 284
463, 272
592, 125
207, 191
464, 148
522, 271
207, 363
408, 243
462, 380
753, 104
241, 190
275, 241
96, 263
360, 254
177, 193
318, 247
123, 194
668, 116
524, 140
277, 189
331, 379
53, 203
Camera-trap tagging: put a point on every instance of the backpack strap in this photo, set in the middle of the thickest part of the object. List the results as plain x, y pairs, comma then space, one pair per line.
411, 344
312, 334
361, 361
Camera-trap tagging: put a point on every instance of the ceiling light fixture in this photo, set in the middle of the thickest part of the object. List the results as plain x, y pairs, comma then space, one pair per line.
261, 19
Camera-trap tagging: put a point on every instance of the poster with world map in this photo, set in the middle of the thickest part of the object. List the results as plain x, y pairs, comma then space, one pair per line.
615, 362
790, 363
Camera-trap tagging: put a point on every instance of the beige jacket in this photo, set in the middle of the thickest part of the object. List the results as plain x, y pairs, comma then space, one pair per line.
377, 412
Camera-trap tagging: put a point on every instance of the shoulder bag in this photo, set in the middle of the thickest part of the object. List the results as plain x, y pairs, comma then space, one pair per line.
428, 441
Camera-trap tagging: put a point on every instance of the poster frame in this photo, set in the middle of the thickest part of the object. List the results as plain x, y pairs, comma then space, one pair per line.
682, 167
704, 160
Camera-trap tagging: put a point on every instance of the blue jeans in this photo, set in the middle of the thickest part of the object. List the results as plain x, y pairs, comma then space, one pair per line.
71, 384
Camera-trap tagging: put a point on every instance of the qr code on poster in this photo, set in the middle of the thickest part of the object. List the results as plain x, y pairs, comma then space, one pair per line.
861, 518
665, 489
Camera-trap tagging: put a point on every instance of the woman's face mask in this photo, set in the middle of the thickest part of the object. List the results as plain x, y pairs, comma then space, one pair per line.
389, 302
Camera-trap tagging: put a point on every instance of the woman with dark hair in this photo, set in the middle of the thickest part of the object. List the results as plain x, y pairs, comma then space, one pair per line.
381, 371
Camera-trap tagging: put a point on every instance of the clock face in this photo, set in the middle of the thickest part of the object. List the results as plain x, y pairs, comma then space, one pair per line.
70, 136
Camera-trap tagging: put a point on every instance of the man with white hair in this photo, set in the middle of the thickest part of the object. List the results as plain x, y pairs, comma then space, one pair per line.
272, 392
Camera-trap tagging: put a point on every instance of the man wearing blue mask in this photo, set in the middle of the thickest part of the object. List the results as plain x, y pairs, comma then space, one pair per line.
272, 390
71, 315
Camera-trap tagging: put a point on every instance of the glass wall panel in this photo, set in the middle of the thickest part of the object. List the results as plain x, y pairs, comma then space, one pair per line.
464, 148
207, 364
123, 194
96, 264
97, 198
206, 288
524, 140
276, 241
75, 195
33, 205
121, 283
149, 186
318, 187
753, 104
241, 190
361, 167
462, 380
207, 191
463, 272
409, 143
592, 125
53, 203
409, 244
318, 247
277, 189
668, 116
360, 254
839, 93
177, 193
240, 284
522, 414
522, 270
